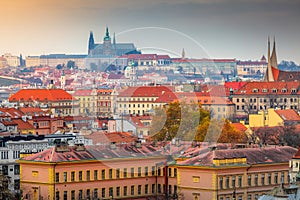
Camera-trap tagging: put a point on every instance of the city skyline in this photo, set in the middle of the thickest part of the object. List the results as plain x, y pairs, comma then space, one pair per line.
218, 29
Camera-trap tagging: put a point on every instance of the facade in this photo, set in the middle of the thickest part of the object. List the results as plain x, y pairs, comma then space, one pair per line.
53, 60
143, 100
92, 172
144, 171
222, 174
11, 60
252, 70
11, 148
213, 70
273, 117
32, 61
102, 55
87, 101
105, 102
256, 96
57, 101
295, 167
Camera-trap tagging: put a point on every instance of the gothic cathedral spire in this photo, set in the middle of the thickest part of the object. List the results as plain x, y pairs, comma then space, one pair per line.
91, 43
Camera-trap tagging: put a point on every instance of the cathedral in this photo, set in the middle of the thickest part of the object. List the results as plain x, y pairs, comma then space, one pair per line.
273, 73
109, 48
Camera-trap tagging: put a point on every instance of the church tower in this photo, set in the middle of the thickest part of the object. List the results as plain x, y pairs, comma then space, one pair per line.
107, 46
63, 80
91, 43
269, 73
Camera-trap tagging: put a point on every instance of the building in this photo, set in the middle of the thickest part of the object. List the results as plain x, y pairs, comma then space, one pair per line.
53, 60
102, 55
273, 117
87, 101
144, 99
107, 172
32, 61
273, 73
11, 148
256, 96
141, 171
105, 102
252, 70
219, 173
57, 101
12, 61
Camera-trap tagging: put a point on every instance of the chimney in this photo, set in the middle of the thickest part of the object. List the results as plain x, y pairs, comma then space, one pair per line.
62, 146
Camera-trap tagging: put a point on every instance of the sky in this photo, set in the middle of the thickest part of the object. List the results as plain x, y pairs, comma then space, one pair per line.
204, 28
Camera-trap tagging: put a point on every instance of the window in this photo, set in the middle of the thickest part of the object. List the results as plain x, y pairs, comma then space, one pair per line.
88, 193
196, 179
146, 171
221, 182
233, 181
88, 175
17, 184
256, 180
276, 178
111, 192
80, 194
57, 195
73, 195
249, 197
227, 182
80, 176
237, 100
103, 192
170, 189
125, 191
125, 173
175, 172
249, 180
282, 177
158, 171
16, 169
118, 191
103, 174
139, 171
139, 189
72, 176
159, 188
95, 195
240, 181
57, 177
65, 195
146, 189
132, 190
65, 177
132, 172
269, 178
95, 174
262, 179
153, 188
153, 171
117, 173
170, 172
110, 173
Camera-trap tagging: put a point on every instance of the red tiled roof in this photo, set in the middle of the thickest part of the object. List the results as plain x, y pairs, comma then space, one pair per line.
204, 156
107, 138
40, 95
180, 60
32, 111
11, 112
208, 100
23, 125
288, 115
258, 88
82, 93
239, 126
234, 85
145, 91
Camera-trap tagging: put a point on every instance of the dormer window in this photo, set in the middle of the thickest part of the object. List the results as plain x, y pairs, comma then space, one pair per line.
274, 90
264, 90
284, 90
255, 90
294, 90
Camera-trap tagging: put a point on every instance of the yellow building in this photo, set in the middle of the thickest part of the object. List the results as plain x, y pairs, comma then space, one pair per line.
87, 101
32, 61
273, 117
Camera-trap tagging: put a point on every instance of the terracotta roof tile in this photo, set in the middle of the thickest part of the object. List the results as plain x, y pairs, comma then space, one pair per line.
41, 95
288, 115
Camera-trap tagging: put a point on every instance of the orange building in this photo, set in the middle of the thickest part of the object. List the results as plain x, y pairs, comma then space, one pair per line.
57, 101
145, 171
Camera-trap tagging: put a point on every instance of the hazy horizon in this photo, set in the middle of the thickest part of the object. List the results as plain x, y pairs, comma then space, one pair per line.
216, 29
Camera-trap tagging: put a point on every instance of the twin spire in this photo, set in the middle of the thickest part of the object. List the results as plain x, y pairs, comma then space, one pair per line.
91, 44
272, 64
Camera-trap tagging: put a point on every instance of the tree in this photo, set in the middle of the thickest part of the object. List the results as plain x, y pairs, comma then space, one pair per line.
71, 64
5, 193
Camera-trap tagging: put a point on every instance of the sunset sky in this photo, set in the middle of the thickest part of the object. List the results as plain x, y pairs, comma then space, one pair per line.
204, 28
